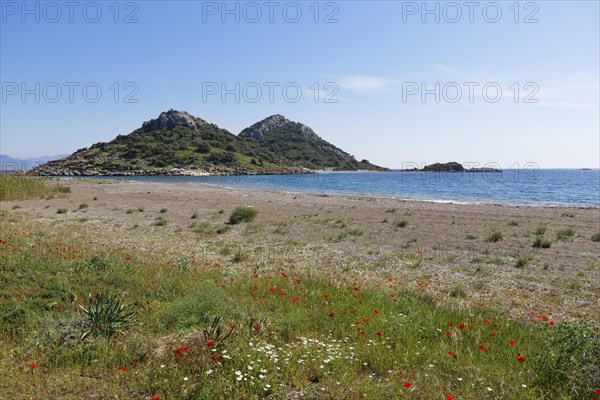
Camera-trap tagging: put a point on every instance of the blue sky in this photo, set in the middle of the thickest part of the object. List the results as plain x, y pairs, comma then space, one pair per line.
405, 88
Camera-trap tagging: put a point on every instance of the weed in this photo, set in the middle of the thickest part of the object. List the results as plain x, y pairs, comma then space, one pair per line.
242, 214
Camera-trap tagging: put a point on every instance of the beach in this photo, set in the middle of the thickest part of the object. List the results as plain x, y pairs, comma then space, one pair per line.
449, 247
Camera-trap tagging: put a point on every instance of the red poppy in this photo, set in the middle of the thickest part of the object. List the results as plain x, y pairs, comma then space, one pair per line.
375, 312
217, 358
462, 326
331, 313
483, 348
379, 334
511, 342
407, 384
170, 330
284, 274
257, 327
32, 366
134, 363
493, 333
210, 343
366, 320
123, 369
59, 307
521, 358
450, 398
597, 391
156, 397
487, 321
451, 323
185, 349
552, 323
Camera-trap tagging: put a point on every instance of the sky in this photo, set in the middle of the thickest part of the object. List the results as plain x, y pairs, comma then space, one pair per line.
399, 83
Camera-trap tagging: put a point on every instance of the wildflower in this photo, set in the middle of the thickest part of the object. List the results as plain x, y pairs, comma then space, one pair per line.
331, 313
185, 349
379, 334
284, 274
487, 321
124, 369
451, 323
521, 358
598, 391
483, 348
407, 384
256, 328
493, 334
217, 358
210, 343
156, 397
185, 378
59, 307
511, 342
366, 320
450, 397
134, 363
170, 330
32, 366
462, 326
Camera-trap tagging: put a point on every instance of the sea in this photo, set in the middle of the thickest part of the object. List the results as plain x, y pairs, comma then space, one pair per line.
522, 187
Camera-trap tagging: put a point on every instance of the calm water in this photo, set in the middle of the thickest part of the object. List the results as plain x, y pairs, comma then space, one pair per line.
536, 187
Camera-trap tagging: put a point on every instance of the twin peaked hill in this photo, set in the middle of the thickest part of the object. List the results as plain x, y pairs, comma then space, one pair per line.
177, 143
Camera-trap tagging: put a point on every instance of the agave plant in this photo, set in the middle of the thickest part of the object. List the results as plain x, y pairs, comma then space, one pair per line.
106, 315
214, 330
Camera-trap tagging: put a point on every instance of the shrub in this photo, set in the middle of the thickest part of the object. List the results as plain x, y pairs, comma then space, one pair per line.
596, 237
571, 360
401, 224
565, 234
495, 236
223, 228
194, 215
83, 206
523, 261
513, 223
542, 243
163, 210
61, 211
242, 214
540, 230
159, 221
203, 228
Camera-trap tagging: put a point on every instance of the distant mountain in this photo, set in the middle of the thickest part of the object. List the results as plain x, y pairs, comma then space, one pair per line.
8, 163
300, 145
177, 143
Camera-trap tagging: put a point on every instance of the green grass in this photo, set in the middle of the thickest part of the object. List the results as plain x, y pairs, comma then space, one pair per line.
242, 214
198, 325
540, 230
160, 221
83, 206
596, 237
15, 187
523, 261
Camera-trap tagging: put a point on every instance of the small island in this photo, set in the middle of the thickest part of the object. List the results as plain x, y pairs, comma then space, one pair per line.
450, 167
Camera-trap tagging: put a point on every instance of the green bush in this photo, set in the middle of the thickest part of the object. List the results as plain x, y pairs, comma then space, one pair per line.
572, 360
159, 221
540, 230
565, 234
542, 243
523, 261
596, 237
494, 236
242, 214
62, 211
401, 224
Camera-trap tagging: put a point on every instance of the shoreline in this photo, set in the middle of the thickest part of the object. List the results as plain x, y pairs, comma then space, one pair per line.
353, 195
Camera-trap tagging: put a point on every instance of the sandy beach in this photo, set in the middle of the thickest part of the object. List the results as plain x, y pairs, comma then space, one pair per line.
445, 246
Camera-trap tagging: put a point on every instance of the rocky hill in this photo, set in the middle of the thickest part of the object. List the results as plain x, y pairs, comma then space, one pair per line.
300, 145
177, 143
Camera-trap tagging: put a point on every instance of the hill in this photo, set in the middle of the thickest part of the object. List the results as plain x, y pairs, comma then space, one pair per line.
300, 145
177, 143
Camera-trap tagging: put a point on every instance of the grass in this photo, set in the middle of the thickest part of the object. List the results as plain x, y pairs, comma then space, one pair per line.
565, 235
245, 328
494, 236
242, 214
15, 187
62, 211
596, 237
540, 230
523, 261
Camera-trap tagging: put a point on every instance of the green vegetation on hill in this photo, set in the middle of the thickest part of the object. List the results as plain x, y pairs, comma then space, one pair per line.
179, 143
